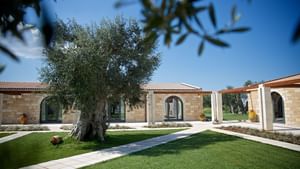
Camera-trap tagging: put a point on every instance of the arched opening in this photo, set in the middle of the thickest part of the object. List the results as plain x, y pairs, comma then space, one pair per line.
278, 107
116, 111
173, 109
51, 111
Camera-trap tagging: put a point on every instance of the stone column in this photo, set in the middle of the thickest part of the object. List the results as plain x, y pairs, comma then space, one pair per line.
150, 108
1, 104
219, 107
265, 107
216, 107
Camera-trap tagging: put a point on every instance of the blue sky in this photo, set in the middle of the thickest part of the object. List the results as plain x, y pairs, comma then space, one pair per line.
264, 53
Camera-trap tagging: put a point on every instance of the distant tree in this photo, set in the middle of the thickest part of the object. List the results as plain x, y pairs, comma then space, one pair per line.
98, 64
12, 14
233, 102
206, 101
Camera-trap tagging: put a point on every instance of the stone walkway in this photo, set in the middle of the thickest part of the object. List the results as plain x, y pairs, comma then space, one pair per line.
14, 136
111, 153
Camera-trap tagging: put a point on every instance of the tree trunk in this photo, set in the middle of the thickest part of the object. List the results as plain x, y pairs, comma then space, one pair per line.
91, 125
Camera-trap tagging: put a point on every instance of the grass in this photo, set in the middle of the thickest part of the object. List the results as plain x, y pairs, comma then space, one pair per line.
208, 150
226, 115
36, 147
5, 134
289, 138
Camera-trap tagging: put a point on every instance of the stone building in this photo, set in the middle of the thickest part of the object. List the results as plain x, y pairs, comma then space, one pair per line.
161, 102
274, 101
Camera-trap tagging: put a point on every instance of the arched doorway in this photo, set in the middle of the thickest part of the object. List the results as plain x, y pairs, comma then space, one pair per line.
278, 107
173, 109
116, 111
51, 111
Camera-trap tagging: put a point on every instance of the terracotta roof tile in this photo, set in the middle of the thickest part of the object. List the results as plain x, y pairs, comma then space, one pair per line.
20, 86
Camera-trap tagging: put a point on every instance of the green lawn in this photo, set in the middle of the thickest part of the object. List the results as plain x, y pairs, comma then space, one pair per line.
208, 150
36, 147
5, 134
226, 115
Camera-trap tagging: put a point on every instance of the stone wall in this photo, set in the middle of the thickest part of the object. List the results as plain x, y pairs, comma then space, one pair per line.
14, 105
136, 113
291, 100
192, 105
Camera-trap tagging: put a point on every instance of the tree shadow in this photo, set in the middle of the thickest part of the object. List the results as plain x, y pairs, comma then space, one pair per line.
192, 142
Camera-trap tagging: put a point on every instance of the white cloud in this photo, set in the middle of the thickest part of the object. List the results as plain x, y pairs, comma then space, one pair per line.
31, 48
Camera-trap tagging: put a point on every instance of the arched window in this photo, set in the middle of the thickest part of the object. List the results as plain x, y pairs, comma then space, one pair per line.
173, 109
278, 107
50, 111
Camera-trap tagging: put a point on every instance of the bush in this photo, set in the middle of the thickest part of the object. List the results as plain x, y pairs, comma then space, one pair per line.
24, 128
289, 138
170, 125
70, 127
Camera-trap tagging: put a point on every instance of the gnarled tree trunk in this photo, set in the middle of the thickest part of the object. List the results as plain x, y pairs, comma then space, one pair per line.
91, 125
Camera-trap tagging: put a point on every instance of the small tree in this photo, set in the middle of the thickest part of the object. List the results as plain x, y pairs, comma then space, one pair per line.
97, 64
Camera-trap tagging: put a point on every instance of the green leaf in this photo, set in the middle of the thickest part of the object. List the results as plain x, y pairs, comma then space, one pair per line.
168, 39
296, 35
2, 67
234, 30
9, 53
216, 42
212, 16
201, 48
181, 38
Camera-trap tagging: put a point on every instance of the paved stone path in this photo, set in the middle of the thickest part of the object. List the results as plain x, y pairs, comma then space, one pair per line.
111, 153
14, 136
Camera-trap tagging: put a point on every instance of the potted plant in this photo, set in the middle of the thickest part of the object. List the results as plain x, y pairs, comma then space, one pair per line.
23, 118
252, 116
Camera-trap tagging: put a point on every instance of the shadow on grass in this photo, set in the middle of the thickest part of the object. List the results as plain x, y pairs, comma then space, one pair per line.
36, 147
192, 142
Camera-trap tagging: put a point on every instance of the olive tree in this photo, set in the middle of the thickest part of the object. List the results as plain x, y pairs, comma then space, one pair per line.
93, 65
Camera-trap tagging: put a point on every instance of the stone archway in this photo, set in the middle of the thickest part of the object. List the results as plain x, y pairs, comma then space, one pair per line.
278, 107
173, 109
50, 111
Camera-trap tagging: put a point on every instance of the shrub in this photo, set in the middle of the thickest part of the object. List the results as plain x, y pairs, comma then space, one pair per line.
169, 125
23, 128
290, 138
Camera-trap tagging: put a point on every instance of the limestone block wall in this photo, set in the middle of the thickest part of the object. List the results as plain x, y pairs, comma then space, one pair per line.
192, 105
291, 100
136, 113
14, 105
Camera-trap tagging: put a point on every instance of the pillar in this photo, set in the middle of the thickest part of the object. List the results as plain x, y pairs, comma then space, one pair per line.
216, 107
265, 107
150, 108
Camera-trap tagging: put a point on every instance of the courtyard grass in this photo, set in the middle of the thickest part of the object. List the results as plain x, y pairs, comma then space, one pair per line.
36, 147
208, 150
5, 134
226, 115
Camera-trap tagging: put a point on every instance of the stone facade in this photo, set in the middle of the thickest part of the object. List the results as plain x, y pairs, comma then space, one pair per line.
15, 105
192, 107
291, 101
